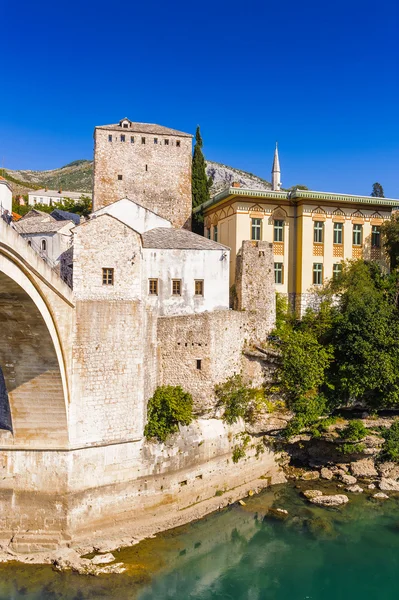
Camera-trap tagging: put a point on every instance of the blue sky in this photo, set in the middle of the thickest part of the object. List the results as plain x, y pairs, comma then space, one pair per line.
322, 78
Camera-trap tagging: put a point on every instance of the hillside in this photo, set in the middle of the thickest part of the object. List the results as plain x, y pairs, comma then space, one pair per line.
77, 177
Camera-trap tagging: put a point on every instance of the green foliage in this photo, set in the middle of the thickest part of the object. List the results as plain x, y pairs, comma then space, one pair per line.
390, 239
238, 400
81, 207
23, 210
239, 450
201, 185
378, 191
351, 448
345, 353
298, 186
219, 492
354, 431
169, 407
390, 448
365, 337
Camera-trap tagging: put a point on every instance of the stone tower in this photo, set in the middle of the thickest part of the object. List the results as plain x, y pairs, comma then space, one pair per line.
147, 163
276, 173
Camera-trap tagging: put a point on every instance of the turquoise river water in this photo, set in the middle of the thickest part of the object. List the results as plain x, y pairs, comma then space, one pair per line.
245, 553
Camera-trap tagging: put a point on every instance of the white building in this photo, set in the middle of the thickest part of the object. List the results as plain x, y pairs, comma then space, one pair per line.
47, 236
177, 272
5, 196
52, 197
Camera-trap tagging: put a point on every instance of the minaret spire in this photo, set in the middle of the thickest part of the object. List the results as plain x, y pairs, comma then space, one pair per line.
276, 173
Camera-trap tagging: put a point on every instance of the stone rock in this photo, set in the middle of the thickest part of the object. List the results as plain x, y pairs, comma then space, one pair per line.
103, 559
277, 513
326, 473
310, 475
334, 500
389, 469
371, 486
241, 502
348, 479
312, 493
343, 467
354, 489
283, 511
389, 484
380, 496
364, 468
372, 441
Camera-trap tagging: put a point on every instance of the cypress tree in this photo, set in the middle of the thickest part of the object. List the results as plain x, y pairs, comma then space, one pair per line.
200, 183
378, 190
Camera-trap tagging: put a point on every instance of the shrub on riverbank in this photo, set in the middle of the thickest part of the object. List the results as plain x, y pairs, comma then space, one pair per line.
169, 407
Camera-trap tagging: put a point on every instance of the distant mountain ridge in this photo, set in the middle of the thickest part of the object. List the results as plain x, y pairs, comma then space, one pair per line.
77, 176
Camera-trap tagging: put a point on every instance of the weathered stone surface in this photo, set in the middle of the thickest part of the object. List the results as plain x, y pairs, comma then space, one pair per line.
364, 468
371, 486
310, 476
381, 496
389, 484
389, 469
333, 500
103, 559
326, 473
354, 489
312, 493
347, 479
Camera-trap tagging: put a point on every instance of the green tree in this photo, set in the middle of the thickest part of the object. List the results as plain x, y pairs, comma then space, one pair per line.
378, 190
81, 207
365, 337
390, 239
201, 184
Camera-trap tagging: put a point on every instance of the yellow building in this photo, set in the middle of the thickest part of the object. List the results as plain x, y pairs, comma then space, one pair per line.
312, 232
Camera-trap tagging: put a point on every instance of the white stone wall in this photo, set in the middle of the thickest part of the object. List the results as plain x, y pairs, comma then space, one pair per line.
112, 339
5, 197
211, 266
137, 217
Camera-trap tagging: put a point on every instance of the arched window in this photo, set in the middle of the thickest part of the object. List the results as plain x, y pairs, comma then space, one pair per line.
44, 246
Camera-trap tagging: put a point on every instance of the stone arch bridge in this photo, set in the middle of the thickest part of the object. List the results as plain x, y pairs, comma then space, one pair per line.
36, 320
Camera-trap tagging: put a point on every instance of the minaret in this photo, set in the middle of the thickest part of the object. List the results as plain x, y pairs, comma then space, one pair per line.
276, 173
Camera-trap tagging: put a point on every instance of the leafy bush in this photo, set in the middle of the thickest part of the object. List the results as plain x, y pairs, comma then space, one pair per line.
352, 448
239, 450
354, 431
390, 448
238, 400
169, 407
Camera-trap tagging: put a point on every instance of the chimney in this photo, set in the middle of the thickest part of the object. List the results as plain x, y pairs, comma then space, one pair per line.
235, 184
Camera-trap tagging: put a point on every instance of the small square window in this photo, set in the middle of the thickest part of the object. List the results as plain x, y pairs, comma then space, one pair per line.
143, 140
155, 140
199, 364
123, 138
166, 142
110, 138
153, 287
132, 139
199, 287
119, 177
178, 143
176, 287
125, 125
108, 276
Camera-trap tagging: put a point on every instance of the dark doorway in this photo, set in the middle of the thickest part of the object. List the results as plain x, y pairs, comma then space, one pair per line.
5, 413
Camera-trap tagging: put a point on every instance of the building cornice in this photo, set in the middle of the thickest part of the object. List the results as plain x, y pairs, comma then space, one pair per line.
295, 197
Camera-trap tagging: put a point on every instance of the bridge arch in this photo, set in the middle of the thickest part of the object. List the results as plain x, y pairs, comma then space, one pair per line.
32, 362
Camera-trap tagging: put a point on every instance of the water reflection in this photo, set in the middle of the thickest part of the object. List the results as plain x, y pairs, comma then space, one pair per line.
244, 553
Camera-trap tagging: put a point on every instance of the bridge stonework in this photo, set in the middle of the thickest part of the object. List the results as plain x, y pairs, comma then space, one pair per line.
79, 367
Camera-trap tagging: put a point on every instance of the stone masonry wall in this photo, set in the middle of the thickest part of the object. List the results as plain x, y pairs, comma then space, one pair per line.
255, 288
156, 175
114, 336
